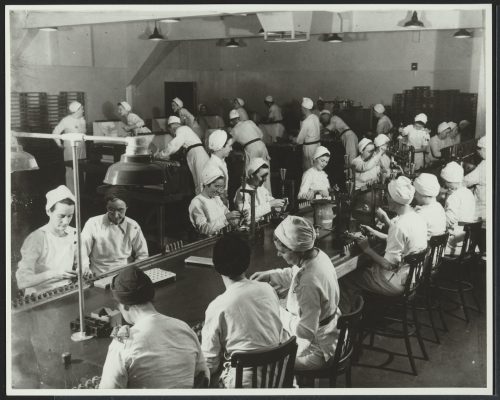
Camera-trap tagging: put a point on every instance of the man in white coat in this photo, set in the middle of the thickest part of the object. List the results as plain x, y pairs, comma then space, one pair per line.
309, 135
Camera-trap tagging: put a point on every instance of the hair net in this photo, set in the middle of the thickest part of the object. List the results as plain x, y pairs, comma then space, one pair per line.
125, 105
234, 114
381, 139
427, 185
307, 103
211, 174
421, 118
443, 126
74, 106
56, 195
217, 140
453, 172
379, 108
401, 190
363, 143
178, 102
296, 233
255, 164
321, 151
173, 120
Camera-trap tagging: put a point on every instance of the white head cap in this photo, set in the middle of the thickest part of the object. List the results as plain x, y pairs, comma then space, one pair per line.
401, 190
234, 114
255, 164
443, 126
74, 106
173, 119
363, 143
296, 233
307, 103
217, 140
324, 112
211, 174
452, 125
58, 194
321, 151
427, 184
178, 102
421, 118
453, 172
381, 139
240, 100
269, 99
481, 143
125, 105
379, 108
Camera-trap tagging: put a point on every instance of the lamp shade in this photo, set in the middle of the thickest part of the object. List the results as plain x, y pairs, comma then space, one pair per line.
135, 170
20, 160
232, 43
334, 38
156, 35
414, 22
462, 33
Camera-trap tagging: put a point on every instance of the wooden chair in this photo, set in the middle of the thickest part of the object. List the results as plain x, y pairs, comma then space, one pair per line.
274, 367
383, 312
340, 363
459, 281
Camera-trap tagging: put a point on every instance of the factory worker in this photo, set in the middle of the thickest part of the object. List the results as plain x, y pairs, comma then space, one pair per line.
48, 254
460, 206
366, 165
384, 124
319, 107
417, 135
454, 136
407, 234
196, 155
428, 208
72, 123
186, 117
274, 117
312, 310
381, 143
245, 317
207, 212
112, 240
464, 129
238, 104
333, 124
256, 173
439, 141
309, 134
133, 124
249, 136
220, 144
477, 180
315, 180
156, 351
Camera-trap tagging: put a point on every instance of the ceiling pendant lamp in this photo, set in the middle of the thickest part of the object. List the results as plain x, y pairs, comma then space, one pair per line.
232, 43
170, 20
414, 22
462, 33
48, 29
334, 38
156, 35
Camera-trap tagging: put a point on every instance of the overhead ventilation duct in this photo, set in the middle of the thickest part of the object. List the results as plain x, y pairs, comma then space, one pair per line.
292, 26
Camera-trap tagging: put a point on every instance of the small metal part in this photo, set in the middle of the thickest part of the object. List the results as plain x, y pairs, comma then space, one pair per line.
66, 358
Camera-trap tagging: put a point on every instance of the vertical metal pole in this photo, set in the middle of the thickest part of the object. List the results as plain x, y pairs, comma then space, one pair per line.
252, 213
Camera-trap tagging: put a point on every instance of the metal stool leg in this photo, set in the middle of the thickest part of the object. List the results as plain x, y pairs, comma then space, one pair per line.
462, 300
408, 345
431, 319
417, 332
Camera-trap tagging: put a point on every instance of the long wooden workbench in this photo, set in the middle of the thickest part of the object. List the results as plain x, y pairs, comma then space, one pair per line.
41, 333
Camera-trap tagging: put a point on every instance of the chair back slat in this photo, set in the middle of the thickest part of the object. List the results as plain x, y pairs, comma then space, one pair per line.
418, 265
437, 246
472, 234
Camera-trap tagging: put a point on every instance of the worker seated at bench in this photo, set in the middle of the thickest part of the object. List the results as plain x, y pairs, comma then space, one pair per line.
315, 180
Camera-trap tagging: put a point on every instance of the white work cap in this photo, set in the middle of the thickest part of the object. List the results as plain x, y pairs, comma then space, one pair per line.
379, 108
452, 125
178, 102
234, 114
240, 100
255, 164
210, 175
307, 103
381, 139
74, 106
125, 105
443, 126
481, 143
421, 118
324, 112
58, 194
217, 140
427, 184
173, 119
401, 190
453, 172
269, 99
363, 143
320, 152
296, 233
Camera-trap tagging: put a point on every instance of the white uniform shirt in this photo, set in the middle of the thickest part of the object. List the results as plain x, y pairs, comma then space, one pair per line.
384, 125
43, 251
435, 144
313, 180
275, 113
70, 124
434, 216
262, 201
207, 215
137, 123
460, 206
243, 114
313, 296
309, 130
366, 171
245, 317
184, 137
245, 131
160, 352
477, 179
219, 163
106, 246
385, 163
418, 138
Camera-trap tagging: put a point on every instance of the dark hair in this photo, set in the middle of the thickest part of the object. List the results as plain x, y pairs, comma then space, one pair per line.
116, 193
67, 201
265, 166
231, 255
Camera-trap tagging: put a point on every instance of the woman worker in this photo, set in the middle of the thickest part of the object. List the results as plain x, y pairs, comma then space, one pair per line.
366, 165
238, 104
384, 124
207, 212
196, 155
439, 141
186, 117
220, 144
309, 134
312, 309
133, 124
315, 180
417, 135
48, 254
381, 143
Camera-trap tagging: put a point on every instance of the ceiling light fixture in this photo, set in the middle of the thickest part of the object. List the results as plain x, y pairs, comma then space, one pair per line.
462, 33
334, 38
232, 43
156, 35
414, 22
48, 29
170, 20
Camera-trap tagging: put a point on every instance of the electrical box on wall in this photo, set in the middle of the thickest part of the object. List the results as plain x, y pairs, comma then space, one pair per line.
414, 66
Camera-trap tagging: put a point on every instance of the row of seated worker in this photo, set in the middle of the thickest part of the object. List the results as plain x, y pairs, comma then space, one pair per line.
248, 315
